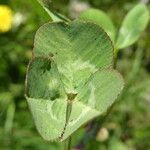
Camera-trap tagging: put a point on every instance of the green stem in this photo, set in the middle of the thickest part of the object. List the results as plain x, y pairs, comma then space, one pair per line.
115, 57
68, 113
68, 144
9, 119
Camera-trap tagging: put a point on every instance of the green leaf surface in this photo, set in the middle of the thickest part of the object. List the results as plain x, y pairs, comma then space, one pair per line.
94, 98
46, 98
101, 18
46, 4
132, 26
78, 48
70, 79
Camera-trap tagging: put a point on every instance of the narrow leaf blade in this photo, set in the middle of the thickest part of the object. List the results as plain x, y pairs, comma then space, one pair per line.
54, 15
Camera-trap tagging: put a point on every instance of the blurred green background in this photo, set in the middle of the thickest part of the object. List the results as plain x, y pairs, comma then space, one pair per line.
126, 128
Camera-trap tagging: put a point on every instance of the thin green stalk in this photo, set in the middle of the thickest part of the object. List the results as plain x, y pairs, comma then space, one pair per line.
68, 141
71, 97
115, 57
68, 144
9, 119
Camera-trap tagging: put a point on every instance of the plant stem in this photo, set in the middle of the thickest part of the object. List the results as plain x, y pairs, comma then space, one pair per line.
68, 113
68, 144
9, 119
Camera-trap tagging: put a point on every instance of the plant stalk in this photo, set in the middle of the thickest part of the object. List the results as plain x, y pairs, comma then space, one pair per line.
9, 119
68, 113
68, 144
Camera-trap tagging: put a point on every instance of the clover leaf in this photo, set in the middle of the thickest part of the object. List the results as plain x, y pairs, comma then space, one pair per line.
70, 79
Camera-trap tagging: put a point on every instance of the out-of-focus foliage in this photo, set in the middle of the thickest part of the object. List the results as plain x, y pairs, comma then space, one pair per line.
132, 26
128, 125
101, 19
46, 4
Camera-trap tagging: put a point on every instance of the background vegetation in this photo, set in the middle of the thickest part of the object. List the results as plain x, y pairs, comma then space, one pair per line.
127, 127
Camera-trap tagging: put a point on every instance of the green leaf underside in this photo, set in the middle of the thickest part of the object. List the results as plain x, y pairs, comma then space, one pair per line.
46, 4
66, 61
132, 26
100, 18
